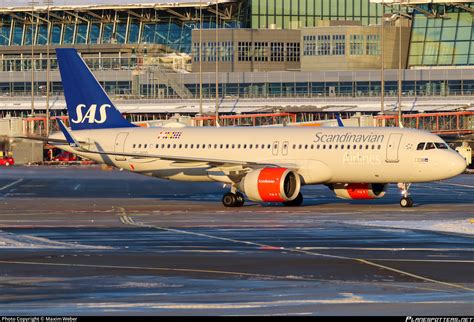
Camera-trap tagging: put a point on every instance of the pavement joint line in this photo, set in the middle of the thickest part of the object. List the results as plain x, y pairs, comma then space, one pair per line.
187, 270
294, 250
11, 184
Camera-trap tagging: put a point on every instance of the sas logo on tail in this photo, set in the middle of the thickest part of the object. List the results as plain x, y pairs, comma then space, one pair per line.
90, 115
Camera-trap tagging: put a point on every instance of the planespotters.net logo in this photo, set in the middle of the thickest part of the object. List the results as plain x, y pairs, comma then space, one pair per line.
439, 319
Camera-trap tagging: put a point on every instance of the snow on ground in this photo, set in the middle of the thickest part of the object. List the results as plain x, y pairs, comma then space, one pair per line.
10, 240
462, 226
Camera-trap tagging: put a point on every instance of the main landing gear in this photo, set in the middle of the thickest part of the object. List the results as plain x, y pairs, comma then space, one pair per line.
233, 199
406, 201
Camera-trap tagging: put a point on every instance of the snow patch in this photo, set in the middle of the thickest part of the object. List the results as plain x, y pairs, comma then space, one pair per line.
11, 240
462, 226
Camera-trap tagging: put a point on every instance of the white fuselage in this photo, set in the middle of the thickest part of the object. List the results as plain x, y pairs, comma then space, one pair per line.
319, 155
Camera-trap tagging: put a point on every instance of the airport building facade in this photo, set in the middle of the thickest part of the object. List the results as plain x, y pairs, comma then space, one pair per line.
264, 48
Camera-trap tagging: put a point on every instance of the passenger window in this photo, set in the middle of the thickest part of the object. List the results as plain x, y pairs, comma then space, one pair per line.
222, 146
163, 146
192, 146
420, 146
430, 146
367, 147
373, 147
330, 146
312, 146
245, 146
250, 146
305, 146
215, 146
145, 146
355, 147
324, 146
379, 147
269, 146
318, 146
233, 146
238, 146
134, 146
299, 146
169, 145
185, 146
180, 146
174, 146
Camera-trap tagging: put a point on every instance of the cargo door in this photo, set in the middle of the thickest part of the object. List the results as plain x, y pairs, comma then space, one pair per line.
392, 147
120, 145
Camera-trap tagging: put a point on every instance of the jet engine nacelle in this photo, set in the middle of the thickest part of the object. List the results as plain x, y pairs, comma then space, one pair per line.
359, 190
271, 185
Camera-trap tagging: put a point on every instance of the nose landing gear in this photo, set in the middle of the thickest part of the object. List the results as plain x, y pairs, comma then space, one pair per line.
406, 201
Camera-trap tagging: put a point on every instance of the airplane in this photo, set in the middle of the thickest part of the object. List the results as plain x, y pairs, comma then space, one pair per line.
265, 164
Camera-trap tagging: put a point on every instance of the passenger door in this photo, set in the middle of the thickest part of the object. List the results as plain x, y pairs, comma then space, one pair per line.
392, 147
120, 146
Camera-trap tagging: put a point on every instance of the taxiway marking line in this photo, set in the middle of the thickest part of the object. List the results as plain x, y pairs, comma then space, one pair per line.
187, 270
11, 184
295, 250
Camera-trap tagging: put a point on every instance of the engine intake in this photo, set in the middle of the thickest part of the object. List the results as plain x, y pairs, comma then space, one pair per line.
271, 185
359, 190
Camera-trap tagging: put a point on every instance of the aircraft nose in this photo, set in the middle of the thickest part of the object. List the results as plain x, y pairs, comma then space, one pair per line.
457, 164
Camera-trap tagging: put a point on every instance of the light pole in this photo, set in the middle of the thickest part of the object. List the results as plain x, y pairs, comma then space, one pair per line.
33, 3
217, 62
400, 65
48, 65
200, 58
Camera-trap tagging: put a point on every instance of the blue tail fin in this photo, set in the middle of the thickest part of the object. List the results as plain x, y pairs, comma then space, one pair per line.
88, 105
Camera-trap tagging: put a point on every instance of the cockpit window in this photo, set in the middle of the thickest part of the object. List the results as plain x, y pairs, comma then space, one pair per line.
441, 145
420, 146
430, 146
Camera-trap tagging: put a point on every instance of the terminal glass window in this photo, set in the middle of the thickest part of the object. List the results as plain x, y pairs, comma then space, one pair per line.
438, 42
293, 51
339, 45
357, 45
373, 45
260, 49
277, 51
324, 45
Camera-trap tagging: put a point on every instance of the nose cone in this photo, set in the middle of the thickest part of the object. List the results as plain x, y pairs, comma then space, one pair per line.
457, 164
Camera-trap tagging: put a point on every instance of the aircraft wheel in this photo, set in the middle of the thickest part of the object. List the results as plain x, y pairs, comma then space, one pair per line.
230, 200
240, 199
406, 202
295, 202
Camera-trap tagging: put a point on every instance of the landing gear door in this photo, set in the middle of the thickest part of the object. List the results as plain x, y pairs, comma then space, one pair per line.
275, 147
120, 146
392, 147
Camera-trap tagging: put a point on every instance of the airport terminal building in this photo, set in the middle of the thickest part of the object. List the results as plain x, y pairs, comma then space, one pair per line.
259, 48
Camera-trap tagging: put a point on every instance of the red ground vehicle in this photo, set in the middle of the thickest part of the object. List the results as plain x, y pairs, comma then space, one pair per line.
65, 157
7, 161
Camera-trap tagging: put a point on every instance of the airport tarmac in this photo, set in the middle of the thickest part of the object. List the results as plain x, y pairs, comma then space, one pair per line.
82, 241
